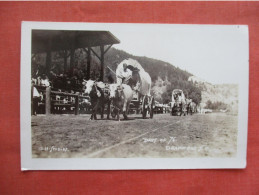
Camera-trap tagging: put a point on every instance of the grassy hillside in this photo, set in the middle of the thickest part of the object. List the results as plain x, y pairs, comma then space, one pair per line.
165, 77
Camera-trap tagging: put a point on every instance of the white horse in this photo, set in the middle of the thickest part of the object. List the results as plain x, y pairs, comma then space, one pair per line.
121, 96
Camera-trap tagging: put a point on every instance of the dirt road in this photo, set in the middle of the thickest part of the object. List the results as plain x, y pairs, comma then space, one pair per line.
209, 135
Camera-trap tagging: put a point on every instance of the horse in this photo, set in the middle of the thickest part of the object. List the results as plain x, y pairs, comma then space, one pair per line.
98, 97
121, 96
180, 104
188, 106
193, 107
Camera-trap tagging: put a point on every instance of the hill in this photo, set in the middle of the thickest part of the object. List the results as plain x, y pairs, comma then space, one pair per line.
165, 77
223, 95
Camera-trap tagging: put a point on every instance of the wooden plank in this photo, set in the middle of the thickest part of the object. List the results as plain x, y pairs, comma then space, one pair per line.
102, 63
48, 101
95, 54
67, 94
86, 50
72, 57
88, 70
107, 49
65, 60
77, 105
48, 58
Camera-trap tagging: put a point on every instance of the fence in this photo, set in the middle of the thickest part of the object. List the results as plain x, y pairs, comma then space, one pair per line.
52, 105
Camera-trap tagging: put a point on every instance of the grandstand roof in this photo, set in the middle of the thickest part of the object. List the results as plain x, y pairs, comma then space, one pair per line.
56, 40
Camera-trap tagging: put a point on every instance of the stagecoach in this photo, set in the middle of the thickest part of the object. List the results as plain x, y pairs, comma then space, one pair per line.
177, 104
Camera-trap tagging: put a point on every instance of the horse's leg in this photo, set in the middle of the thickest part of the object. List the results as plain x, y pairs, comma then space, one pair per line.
108, 109
95, 109
127, 110
125, 105
102, 110
125, 115
118, 114
92, 115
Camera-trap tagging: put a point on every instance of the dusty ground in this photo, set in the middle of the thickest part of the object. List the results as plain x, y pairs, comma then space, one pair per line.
210, 135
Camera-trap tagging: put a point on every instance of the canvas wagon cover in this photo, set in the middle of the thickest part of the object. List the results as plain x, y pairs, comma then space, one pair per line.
178, 91
145, 79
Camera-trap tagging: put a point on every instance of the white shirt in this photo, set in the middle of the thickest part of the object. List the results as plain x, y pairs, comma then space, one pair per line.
35, 92
121, 73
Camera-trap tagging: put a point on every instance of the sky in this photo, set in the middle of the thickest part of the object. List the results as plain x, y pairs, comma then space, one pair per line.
215, 53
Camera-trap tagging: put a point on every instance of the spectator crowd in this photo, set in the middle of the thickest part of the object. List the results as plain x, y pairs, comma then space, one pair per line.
70, 81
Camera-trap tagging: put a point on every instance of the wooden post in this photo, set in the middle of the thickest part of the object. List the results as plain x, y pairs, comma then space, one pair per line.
102, 62
48, 58
77, 105
65, 61
72, 58
48, 62
48, 101
88, 63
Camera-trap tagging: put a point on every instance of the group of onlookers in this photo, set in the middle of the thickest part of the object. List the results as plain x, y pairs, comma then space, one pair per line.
61, 83
41, 81
65, 81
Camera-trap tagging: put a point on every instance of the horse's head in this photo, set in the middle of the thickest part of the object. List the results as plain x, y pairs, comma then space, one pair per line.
88, 86
115, 91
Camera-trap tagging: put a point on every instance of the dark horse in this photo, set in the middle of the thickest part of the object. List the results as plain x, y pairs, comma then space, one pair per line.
98, 97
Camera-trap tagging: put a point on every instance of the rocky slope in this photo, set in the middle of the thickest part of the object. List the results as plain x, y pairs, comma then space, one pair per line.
225, 93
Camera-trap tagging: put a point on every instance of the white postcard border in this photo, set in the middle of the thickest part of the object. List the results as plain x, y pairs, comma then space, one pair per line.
29, 163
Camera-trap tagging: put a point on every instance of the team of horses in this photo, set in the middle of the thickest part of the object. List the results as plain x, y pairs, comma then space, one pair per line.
115, 97
181, 105
130, 76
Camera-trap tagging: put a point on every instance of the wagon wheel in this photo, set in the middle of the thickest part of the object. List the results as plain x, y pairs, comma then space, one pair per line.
144, 110
152, 107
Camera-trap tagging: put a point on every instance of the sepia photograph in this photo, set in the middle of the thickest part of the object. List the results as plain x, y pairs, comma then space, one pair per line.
133, 96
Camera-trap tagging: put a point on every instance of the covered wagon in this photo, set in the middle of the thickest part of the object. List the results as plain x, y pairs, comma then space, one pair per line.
178, 103
140, 82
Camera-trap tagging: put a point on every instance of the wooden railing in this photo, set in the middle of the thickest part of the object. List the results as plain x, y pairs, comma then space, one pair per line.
49, 103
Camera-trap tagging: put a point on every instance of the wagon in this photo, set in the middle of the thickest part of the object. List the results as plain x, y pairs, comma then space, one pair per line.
140, 82
143, 104
177, 104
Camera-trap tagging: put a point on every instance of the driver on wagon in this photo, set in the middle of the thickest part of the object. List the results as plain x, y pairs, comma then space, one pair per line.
123, 74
